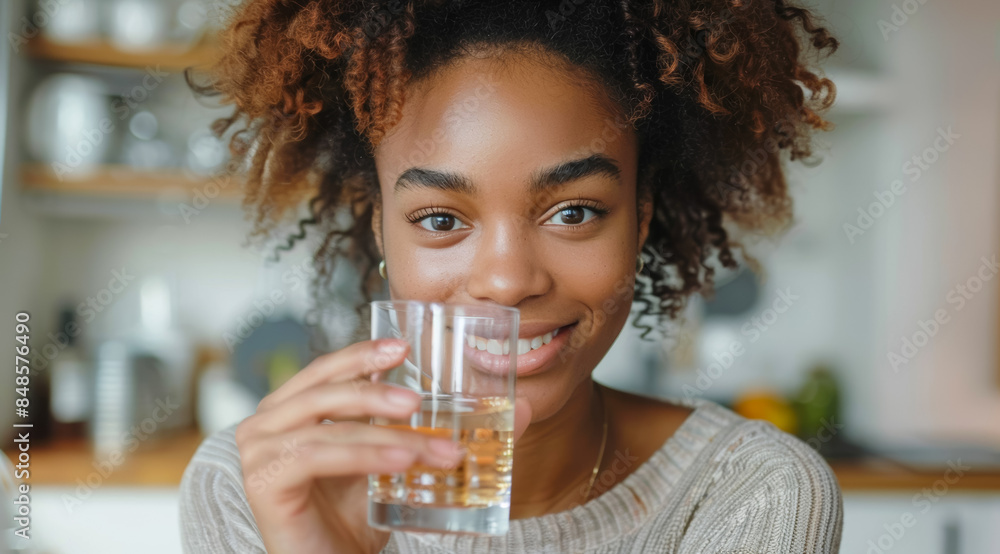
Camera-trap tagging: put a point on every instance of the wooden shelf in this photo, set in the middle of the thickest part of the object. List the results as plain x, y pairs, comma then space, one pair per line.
124, 181
876, 475
103, 53
159, 462
162, 463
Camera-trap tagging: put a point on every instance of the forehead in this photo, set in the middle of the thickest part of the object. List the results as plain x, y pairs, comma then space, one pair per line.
480, 115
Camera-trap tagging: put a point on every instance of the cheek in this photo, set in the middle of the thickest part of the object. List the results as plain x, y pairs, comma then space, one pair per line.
610, 307
421, 273
601, 278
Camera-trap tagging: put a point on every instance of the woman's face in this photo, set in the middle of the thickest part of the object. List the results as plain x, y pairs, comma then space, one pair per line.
514, 183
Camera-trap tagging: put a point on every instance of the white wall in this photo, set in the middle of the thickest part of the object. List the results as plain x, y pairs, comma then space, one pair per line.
946, 63
859, 295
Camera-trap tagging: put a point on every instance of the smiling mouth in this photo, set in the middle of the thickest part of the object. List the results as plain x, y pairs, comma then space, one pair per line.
524, 345
536, 354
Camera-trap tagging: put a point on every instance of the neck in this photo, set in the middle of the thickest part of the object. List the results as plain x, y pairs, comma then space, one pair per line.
554, 459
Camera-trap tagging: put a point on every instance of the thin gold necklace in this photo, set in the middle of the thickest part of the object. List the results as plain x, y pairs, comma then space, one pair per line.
604, 440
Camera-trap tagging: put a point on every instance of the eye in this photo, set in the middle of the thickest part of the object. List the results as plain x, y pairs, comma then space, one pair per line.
440, 222
574, 215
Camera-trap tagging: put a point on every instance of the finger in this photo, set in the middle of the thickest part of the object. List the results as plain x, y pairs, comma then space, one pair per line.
359, 360
522, 416
337, 401
326, 461
276, 454
431, 449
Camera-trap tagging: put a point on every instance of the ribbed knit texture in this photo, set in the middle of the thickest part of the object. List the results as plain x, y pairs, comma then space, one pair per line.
720, 484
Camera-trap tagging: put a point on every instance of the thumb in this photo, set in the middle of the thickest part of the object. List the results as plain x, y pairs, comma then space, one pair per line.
522, 416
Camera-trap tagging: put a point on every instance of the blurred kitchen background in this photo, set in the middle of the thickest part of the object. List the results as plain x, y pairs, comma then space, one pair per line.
872, 333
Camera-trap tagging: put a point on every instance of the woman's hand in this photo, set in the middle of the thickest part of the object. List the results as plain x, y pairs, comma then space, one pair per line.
306, 482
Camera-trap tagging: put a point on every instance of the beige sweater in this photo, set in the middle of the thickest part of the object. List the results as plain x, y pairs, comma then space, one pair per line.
720, 484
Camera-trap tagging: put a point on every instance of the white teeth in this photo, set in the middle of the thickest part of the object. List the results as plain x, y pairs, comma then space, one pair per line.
493, 346
523, 346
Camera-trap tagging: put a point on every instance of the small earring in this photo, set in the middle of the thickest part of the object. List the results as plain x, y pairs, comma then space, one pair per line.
641, 264
381, 269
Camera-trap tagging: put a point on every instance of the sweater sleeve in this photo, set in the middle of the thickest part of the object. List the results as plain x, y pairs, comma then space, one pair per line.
214, 514
768, 492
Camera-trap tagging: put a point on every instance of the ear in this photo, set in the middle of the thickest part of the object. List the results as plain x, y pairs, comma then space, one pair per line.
645, 213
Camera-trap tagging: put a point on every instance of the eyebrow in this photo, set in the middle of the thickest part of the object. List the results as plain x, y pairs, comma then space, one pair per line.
595, 164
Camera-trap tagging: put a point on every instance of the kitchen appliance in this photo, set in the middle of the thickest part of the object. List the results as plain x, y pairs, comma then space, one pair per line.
69, 385
70, 21
135, 393
137, 24
142, 377
69, 123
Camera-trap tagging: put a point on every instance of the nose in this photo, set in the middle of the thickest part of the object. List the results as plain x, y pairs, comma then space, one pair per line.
506, 267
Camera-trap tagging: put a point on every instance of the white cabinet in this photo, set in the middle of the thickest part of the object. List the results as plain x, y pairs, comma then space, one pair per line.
112, 520
128, 520
899, 523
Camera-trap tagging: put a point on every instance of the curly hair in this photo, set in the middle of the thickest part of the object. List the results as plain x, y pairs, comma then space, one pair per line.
717, 91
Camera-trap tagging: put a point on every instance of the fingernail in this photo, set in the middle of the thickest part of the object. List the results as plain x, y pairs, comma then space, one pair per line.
397, 455
446, 448
400, 397
392, 348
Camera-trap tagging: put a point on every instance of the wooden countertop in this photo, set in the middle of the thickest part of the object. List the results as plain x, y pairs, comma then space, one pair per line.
159, 462
162, 462
883, 475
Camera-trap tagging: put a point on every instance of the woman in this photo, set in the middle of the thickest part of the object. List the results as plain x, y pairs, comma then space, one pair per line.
565, 158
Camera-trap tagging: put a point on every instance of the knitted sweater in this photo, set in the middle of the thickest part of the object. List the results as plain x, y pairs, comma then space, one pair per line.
720, 484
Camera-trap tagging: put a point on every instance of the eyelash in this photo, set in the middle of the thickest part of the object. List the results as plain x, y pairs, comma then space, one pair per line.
599, 212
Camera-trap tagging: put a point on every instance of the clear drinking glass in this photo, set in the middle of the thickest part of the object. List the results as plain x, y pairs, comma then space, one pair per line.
462, 361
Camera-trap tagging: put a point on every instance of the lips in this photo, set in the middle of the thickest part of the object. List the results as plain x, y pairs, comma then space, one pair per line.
493, 359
